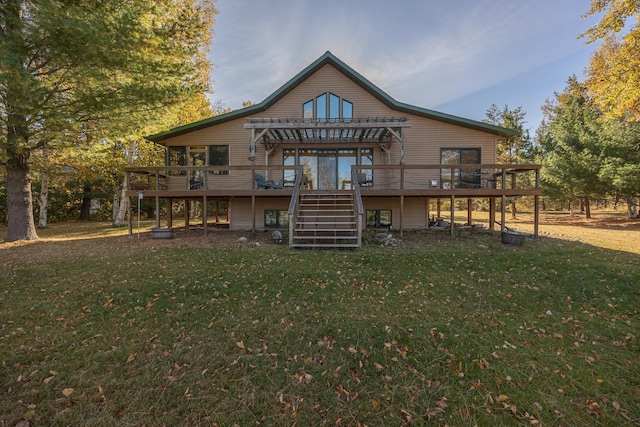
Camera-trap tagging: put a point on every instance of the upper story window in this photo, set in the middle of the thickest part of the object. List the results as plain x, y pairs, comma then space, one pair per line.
209, 155
328, 107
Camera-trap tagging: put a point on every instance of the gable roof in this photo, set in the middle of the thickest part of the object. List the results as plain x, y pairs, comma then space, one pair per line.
329, 58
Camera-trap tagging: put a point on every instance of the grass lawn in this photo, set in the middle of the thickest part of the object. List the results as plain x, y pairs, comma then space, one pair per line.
97, 328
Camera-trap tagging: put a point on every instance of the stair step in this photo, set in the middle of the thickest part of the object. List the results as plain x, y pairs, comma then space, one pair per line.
325, 215
325, 237
324, 230
325, 223
323, 245
326, 220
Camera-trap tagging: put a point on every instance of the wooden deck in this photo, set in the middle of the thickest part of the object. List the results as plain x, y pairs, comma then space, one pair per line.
403, 182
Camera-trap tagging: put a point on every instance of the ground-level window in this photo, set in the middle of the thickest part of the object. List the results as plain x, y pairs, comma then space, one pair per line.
274, 218
378, 218
461, 177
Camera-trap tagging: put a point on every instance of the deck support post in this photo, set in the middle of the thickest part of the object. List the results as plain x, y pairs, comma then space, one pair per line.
536, 206
503, 213
169, 212
503, 204
205, 217
401, 215
453, 214
492, 213
157, 211
536, 215
469, 211
186, 213
253, 213
427, 207
438, 215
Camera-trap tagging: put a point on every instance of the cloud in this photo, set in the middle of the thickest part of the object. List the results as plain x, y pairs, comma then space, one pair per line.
425, 53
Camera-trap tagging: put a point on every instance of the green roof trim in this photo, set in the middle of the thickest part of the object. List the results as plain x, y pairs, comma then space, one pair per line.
329, 58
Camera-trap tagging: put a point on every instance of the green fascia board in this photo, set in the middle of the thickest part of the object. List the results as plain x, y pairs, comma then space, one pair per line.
329, 58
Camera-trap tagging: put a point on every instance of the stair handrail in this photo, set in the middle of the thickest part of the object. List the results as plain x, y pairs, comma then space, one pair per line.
293, 204
358, 197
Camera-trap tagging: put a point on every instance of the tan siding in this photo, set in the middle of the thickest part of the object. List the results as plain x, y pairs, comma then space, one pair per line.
241, 211
328, 79
423, 140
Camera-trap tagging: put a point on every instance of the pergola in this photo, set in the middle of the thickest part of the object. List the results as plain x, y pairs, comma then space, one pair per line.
277, 131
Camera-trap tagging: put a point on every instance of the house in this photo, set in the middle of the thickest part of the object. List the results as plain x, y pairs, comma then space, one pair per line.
327, 155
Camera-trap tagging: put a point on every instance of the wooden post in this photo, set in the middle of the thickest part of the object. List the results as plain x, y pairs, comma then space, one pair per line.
427, 212
492, 213
205, 218
438, 215
401, 215
253, 213
157, 211
453, 214
503, 203
536, 206
503, 213
169, 212
536, 214
469, 211
186, 213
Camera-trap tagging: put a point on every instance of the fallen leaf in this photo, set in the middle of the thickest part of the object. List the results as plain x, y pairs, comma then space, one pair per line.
67, 392
442, 403
502, 398
378, 367
240, 345
48, 379
375, 404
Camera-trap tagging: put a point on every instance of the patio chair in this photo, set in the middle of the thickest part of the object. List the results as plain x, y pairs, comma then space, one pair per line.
266, 184
363, 181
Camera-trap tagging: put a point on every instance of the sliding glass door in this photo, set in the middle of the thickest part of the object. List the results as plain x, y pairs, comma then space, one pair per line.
326, 169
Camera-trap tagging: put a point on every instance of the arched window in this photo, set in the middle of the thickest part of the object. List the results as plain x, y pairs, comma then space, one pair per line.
328, 107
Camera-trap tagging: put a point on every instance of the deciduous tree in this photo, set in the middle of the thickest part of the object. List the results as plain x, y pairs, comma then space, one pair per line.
63, 64
613, 78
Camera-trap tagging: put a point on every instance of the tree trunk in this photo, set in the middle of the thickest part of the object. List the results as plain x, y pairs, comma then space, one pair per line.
587, 207
43, 201
43, 197
85, 208
118, 221
632, 207
115, 207
20, 225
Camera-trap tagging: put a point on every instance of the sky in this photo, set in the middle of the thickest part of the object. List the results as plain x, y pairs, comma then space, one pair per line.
452, 56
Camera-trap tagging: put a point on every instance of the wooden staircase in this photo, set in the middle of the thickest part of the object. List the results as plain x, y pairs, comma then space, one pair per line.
326, 220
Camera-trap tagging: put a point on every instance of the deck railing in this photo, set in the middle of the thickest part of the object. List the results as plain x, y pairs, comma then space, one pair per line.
293, 204
507, 179
358, 200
